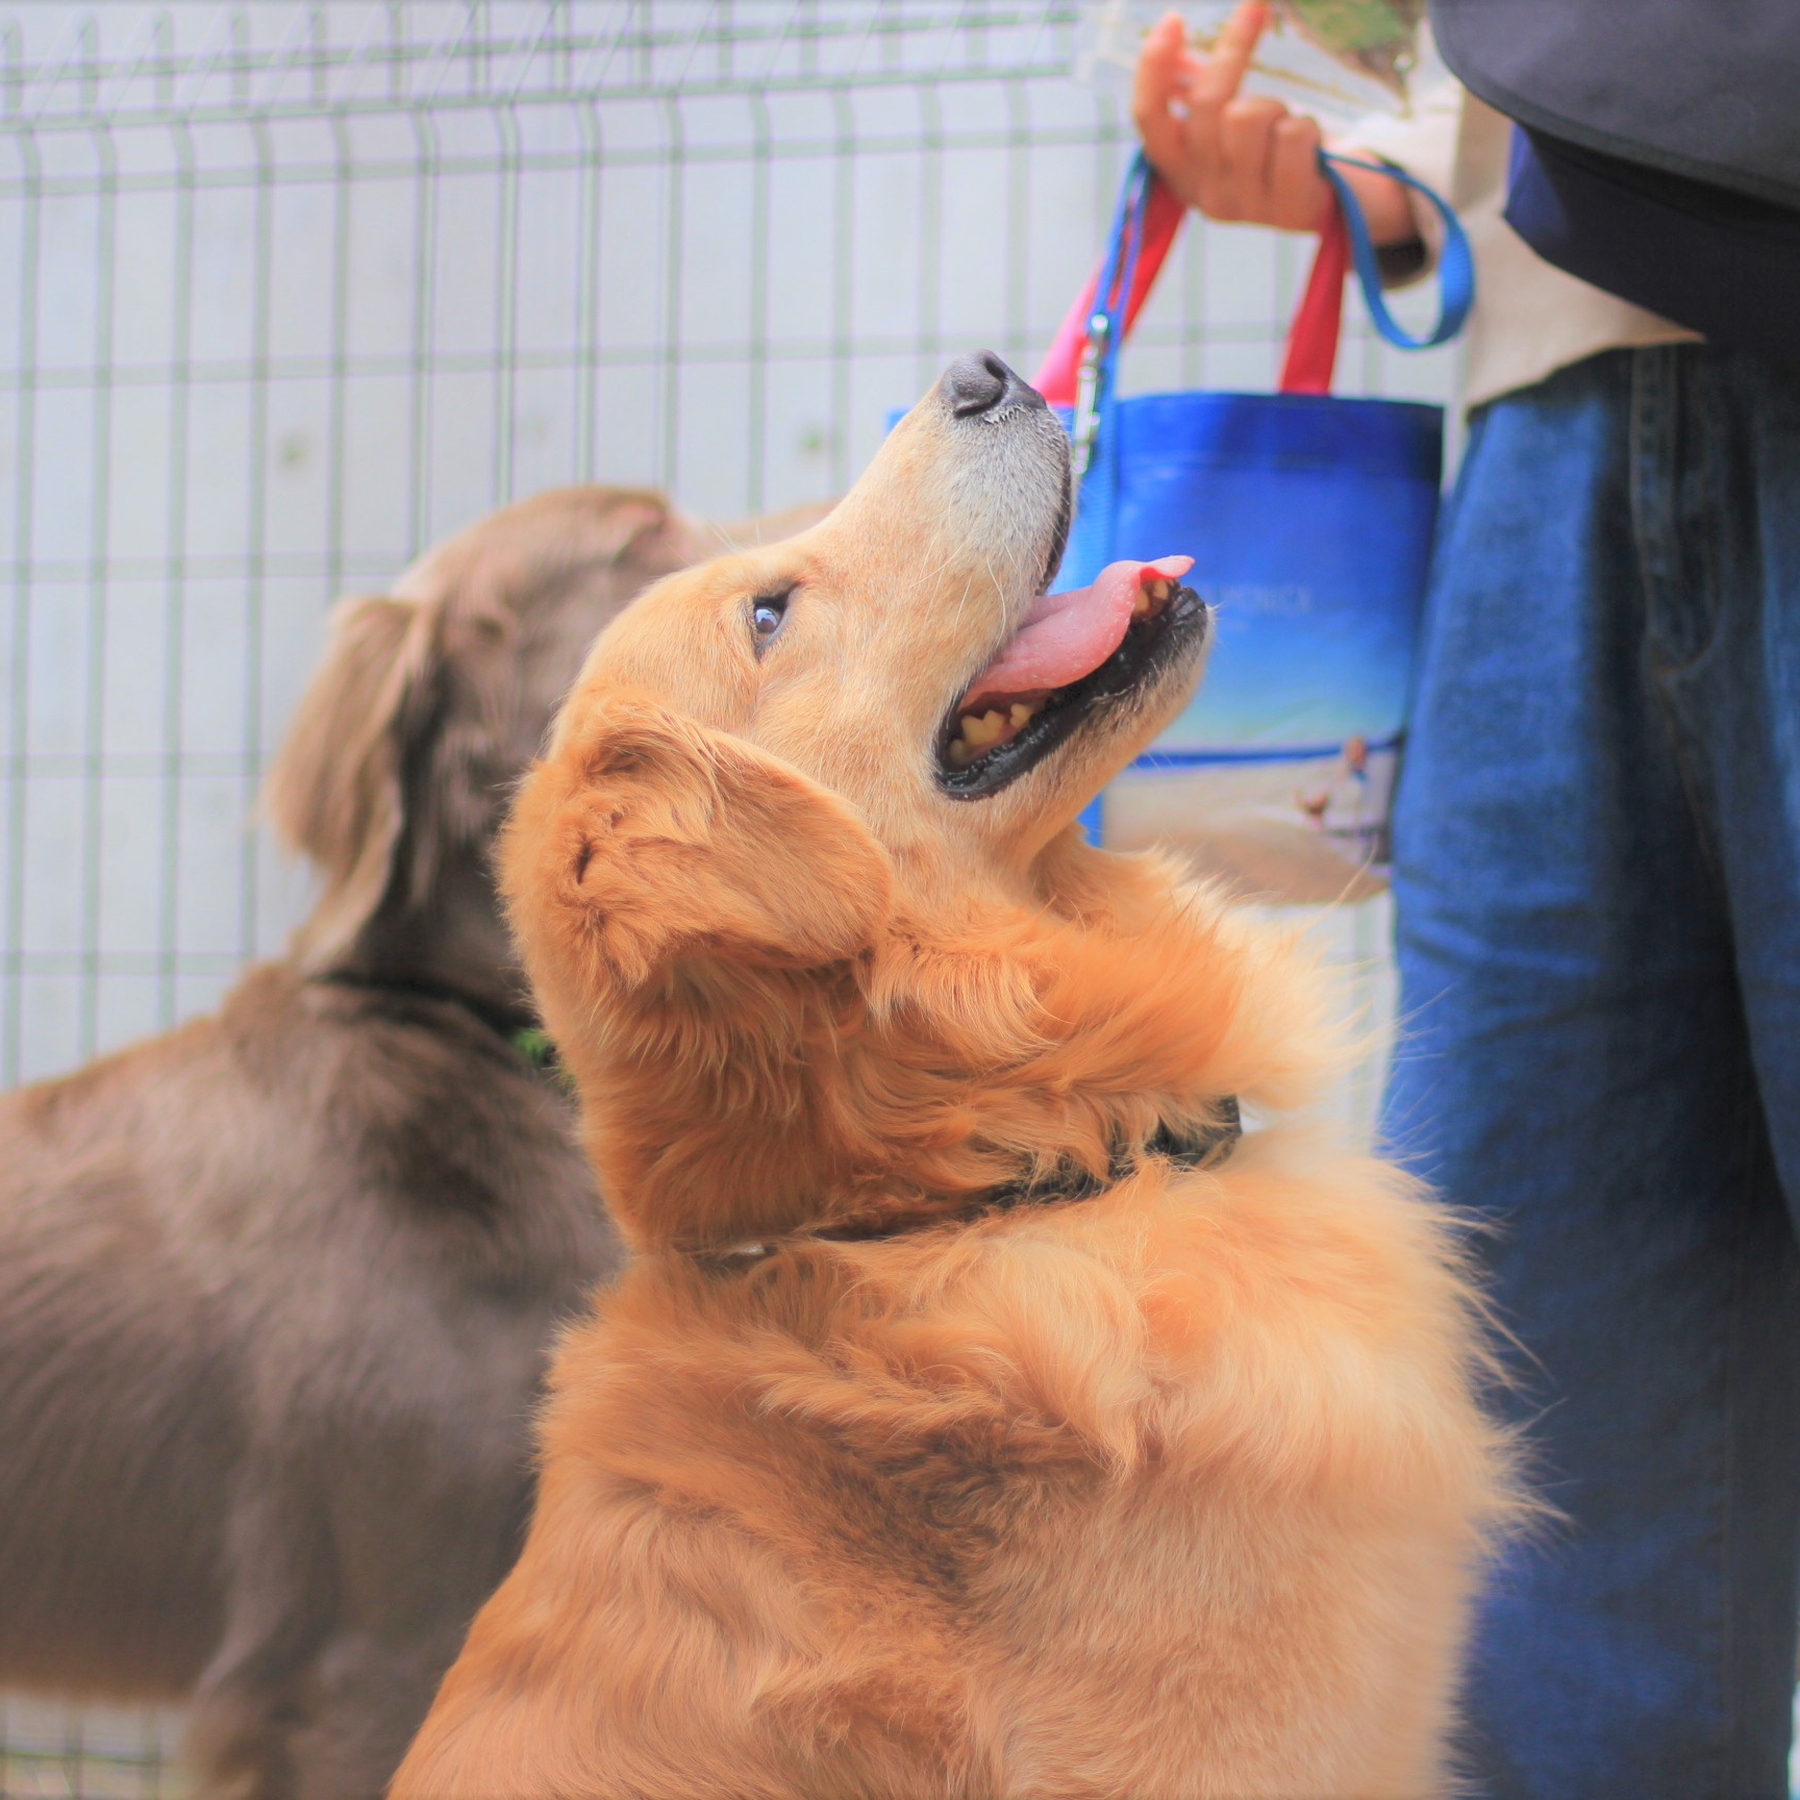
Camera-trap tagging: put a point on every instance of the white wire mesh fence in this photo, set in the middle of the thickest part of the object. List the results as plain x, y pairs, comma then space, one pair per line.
289, 290
50, 1751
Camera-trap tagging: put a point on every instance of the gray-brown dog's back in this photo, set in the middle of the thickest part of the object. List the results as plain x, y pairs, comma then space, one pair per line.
100, 1322
211, 1239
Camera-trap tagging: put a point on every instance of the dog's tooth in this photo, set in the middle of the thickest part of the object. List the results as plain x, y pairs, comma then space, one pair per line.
1151, 595
1021, 715
985, 730
960, 753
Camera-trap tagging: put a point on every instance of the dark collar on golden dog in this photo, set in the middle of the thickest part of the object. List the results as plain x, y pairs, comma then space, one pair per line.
1188, 1150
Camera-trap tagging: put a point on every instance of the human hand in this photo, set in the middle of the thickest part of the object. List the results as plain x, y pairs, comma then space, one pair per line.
1243, 157
1233, 156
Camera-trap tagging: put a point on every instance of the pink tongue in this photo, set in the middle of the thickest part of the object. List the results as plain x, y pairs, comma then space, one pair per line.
1067, 636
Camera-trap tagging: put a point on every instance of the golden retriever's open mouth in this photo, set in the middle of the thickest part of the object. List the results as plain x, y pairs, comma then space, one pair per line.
1075, 651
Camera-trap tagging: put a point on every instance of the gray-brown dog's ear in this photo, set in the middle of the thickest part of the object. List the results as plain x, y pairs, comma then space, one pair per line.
334, 792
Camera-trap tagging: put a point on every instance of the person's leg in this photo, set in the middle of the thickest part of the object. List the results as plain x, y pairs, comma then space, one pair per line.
1575, 1069
1725, 618
1732, 678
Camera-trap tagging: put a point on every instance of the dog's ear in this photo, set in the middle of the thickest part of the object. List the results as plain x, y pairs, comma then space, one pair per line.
646, 838
334, 790
405, 746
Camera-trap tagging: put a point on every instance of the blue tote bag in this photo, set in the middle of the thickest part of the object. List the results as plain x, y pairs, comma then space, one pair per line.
1310, 520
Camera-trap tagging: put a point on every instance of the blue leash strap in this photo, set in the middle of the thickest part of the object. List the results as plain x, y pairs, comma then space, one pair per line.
1106, 325
1456, 267
1096, 463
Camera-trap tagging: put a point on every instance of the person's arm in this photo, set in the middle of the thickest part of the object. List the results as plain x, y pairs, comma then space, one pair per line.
1244, 157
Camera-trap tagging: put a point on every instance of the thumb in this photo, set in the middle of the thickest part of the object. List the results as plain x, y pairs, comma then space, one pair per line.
1160, 76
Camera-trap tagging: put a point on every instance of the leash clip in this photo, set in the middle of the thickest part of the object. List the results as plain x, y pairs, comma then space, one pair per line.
1086, 428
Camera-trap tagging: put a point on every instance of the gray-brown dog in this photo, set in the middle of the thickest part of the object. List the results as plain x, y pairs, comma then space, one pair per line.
275, 1288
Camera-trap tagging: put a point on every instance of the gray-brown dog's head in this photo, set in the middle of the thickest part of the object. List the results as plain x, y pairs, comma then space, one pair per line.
429, 705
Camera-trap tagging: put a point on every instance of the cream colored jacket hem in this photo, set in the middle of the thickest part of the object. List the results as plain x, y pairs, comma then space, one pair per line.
1529, 319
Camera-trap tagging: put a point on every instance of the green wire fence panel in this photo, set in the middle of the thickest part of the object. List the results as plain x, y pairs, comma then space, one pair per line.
288, 290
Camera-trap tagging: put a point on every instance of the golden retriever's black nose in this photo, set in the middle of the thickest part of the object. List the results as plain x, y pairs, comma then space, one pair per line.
981, 382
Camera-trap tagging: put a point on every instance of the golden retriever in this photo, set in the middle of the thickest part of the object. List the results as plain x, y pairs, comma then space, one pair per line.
980, 1414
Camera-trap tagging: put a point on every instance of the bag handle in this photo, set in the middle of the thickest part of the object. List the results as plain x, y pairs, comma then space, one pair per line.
1312, 340
1150, 214
1083, 363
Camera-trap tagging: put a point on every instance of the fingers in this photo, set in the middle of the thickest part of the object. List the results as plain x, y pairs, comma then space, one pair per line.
1266, 173
1160, 60
1234, 156
1246, 140
1298, 193
1160, 78
1222, 73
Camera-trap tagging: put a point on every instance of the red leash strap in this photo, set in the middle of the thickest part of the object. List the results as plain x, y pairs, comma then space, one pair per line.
1313, 337
1163, 214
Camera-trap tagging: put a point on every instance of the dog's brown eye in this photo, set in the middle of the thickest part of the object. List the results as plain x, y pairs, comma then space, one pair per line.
766, 616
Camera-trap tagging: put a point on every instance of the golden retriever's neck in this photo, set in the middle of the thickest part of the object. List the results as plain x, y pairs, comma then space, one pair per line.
724, 1103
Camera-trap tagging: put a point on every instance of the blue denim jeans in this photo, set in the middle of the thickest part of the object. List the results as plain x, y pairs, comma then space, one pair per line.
1597, 849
